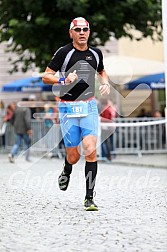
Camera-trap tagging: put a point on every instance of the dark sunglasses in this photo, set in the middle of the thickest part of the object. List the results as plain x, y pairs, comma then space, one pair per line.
85, 29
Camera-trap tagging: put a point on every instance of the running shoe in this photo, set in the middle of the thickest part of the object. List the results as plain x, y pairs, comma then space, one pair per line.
63, 181
90, 205
11, 158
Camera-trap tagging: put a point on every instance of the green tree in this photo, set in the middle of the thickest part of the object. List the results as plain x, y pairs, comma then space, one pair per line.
35, 29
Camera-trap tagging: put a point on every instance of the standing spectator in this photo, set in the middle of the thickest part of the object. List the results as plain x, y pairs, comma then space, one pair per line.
7, 118
157, 114
33, 109
160, 131
49, 120
21, 121
2, 113
113, 116
142, 113
2, 108
57, 121
106, 116
9, 112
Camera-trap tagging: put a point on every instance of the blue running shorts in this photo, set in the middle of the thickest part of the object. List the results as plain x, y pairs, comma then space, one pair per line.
74, 129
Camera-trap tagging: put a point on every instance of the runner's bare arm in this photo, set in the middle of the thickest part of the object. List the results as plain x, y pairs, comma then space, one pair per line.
50, 78
105, 86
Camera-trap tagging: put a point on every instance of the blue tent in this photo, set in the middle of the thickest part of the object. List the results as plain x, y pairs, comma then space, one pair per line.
32, 84
154, 81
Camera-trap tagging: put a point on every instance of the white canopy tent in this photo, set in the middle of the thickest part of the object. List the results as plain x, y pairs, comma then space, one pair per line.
122, 69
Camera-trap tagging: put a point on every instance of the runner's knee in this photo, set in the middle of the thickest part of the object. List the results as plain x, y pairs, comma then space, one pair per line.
73, 159
73, 155
90, 152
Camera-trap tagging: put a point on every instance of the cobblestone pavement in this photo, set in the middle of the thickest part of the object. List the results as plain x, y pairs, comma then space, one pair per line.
36, 216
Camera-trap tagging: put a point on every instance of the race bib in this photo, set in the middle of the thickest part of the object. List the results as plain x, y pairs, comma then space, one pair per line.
77, 109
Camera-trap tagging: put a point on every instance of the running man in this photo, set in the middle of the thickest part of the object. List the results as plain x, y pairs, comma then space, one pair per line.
77, 64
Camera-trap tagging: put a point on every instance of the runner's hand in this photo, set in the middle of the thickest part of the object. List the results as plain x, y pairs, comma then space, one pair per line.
104, 89
71, 77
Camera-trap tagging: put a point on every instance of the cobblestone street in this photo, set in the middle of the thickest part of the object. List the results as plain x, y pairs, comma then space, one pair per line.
36, 216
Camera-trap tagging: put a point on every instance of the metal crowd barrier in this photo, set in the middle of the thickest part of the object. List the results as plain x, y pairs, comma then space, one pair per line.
126, 140
43, 139
139, 139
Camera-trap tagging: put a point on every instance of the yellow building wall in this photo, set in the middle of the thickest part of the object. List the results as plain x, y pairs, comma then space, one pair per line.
146, 48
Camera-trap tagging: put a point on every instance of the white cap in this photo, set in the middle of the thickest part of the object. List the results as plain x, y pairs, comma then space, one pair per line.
79, 21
